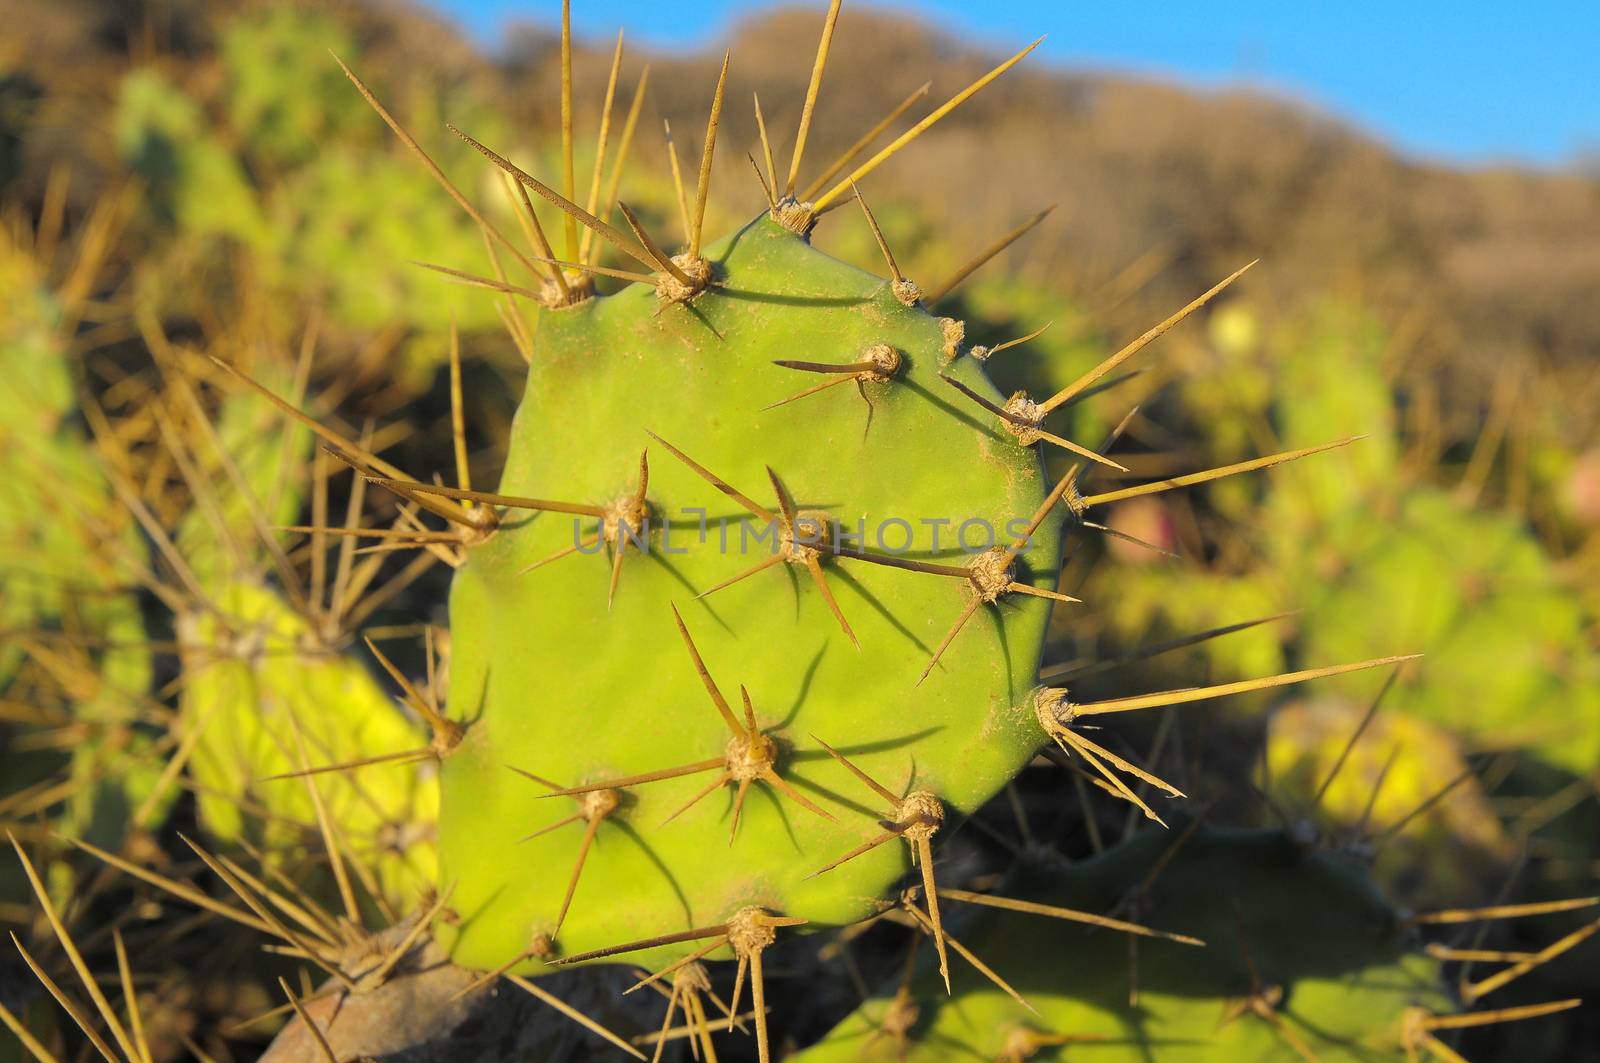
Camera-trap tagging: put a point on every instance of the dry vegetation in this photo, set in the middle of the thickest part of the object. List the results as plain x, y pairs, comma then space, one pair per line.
1487, 266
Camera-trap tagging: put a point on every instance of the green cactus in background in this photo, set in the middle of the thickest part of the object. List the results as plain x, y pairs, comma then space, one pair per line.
282, 95
198, 184
74, 644
1370, 557
1504, 631
1504, 635
327, 218
269, 691
281, 705
1394, 789
1302, 958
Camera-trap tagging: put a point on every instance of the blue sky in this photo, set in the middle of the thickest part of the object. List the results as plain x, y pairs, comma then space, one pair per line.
1460, 82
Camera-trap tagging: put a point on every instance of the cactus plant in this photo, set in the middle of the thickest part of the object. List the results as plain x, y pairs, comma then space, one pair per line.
268, 686
1269, 983
1371, 556
755, 616
1355, 982
849, 609
270, 182
75, 644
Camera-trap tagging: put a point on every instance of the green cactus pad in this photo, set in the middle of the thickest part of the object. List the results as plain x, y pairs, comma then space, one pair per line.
250, 689
258, 668
551, 681
1323, 944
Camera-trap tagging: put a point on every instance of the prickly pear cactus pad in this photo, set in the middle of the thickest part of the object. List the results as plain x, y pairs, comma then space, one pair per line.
555, 676
1303, 959
284, 703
